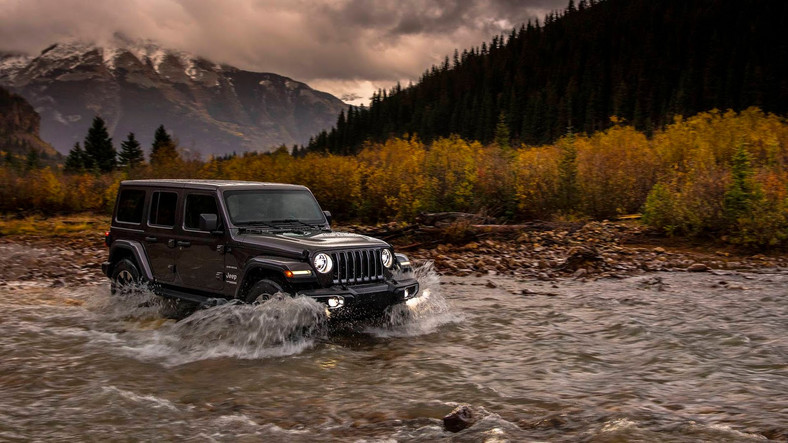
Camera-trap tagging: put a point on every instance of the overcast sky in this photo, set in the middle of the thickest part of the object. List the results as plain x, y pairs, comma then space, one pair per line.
344, 47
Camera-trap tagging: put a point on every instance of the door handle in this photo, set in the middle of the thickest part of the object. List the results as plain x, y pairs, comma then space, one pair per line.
151, 239
184, 244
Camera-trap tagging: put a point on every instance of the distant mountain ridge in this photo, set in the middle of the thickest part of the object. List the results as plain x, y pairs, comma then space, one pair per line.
19, 126
138, 85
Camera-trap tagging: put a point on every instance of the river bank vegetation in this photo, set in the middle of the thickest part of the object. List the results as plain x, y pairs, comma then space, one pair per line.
716, 174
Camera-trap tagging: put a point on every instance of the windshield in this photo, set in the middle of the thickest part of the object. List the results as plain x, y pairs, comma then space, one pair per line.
273, 206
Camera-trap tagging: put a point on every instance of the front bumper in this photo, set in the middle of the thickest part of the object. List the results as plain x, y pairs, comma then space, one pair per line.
366, 299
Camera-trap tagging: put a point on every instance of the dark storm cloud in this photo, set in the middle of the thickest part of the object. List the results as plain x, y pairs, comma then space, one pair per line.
438, 16
326, 42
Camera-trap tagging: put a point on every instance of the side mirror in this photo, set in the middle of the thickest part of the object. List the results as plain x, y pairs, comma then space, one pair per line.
328, 216
209, 222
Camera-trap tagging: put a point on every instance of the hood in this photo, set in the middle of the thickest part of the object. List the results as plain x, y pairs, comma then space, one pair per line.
296, 243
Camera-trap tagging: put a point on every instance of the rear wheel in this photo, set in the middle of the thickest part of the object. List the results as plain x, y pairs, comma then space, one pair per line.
125, 278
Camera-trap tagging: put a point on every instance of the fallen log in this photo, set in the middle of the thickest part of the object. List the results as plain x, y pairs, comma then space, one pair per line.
447, 218
390, 234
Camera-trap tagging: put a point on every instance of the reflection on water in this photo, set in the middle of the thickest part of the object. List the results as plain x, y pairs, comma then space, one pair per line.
662, 357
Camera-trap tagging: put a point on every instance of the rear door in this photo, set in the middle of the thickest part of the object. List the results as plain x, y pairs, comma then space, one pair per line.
159, 238
200, 253
129, 214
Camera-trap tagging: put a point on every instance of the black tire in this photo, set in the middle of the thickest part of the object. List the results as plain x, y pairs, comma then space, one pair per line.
263, 290
125, 277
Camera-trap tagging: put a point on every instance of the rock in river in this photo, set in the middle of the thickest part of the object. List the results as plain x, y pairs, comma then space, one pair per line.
460, 418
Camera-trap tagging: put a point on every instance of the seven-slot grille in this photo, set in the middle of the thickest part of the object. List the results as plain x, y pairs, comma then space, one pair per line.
356, 266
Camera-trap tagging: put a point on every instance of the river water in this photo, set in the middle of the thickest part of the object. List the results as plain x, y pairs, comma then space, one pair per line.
658, 357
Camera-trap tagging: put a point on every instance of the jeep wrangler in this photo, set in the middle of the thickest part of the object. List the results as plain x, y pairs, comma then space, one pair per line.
203, 241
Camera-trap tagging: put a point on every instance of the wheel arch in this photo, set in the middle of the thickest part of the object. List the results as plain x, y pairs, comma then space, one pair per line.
264, 268
131, 250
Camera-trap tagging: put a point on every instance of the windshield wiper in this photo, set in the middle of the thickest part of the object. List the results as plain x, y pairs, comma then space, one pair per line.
287, 220
246, 225
296, 222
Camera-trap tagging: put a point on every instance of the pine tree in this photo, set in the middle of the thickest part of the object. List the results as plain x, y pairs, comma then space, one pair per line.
567, 174
502, 132
131, 154
33, 160
98, 146
75, 162
10, 160
163, 150
743, 191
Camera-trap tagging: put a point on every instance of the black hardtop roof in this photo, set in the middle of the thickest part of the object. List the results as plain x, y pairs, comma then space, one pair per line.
208, 184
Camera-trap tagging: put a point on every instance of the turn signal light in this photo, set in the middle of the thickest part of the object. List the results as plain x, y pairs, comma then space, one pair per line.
291, 274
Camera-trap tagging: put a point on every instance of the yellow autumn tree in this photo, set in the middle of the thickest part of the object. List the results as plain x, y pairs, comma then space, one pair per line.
450, 168
616, 171
393, 179
536, 181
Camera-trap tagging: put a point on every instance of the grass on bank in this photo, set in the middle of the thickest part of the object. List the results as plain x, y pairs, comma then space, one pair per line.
75, 225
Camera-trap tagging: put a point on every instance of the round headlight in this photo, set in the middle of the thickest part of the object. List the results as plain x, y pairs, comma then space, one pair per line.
323, 263
387, 258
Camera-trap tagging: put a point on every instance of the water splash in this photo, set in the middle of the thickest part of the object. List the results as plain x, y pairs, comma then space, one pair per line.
421, 315
139, 304
277, 327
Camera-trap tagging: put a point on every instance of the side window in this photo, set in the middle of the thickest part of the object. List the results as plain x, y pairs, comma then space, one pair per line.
162, 209
130, 206
197, 204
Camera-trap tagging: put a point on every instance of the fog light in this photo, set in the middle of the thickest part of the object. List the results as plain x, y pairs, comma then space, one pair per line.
336, 302
416, 301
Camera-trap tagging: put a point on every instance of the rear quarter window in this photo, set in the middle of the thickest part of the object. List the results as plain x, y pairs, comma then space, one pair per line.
130, 205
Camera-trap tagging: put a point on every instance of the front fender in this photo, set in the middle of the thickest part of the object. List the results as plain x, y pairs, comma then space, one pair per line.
275, 265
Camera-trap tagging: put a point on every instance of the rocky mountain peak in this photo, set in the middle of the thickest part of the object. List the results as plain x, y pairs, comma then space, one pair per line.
136, 85
19, 126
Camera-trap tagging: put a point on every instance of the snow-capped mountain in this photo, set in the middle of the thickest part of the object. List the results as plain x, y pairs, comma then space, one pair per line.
137, 86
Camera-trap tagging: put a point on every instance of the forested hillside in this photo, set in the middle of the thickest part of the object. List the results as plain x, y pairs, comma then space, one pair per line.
642, 61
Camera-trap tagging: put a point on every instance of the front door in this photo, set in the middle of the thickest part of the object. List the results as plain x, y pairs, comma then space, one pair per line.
200, 253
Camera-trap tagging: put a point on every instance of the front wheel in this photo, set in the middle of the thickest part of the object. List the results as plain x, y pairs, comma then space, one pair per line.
263, 290
125, 277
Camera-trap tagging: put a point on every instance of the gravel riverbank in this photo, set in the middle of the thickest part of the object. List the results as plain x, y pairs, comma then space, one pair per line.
547, 251
544, 251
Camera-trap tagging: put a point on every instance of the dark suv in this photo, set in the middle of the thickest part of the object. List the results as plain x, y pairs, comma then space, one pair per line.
203, 240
